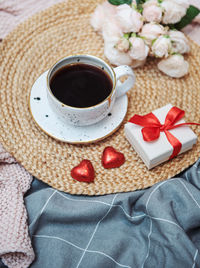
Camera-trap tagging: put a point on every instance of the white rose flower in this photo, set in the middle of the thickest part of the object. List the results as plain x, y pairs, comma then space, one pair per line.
111, 31
103, 12
179, 41
161, 47
152, 11
197, 19
174, 66
183, 3
115, 56
138, 63
151, 31
97, 18
123, 45
172, 12
129, 19
139, 50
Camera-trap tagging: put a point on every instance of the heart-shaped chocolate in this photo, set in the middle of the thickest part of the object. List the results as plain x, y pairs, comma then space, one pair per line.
111, 158
84, 172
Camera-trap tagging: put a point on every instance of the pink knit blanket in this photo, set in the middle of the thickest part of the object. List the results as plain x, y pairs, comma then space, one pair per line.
15, 244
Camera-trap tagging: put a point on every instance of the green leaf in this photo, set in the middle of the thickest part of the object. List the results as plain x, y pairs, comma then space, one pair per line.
153, 41
120, 2
192, 12
139, 5
126, 35
129, 2
133, 34
140, 2
139, 9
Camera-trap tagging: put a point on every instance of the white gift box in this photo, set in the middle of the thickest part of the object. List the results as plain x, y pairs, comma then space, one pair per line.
156, 152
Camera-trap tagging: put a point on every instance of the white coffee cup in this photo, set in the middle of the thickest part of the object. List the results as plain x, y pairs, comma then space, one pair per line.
90, 115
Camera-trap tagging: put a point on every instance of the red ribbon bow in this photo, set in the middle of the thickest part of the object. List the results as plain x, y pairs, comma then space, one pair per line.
152, 127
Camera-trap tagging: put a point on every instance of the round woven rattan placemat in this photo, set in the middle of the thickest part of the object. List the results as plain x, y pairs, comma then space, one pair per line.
30, 50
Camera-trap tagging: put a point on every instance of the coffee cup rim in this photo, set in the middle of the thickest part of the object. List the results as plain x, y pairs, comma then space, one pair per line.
81, 55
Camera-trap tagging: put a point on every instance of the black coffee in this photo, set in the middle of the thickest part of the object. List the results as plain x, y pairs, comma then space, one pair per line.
81, 85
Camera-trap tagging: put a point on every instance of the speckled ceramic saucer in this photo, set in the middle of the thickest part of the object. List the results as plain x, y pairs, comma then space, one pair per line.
52, 125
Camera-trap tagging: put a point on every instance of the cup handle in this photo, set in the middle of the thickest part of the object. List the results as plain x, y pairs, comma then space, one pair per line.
122, 88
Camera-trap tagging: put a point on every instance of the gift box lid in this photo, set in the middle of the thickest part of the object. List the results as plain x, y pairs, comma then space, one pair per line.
158, 151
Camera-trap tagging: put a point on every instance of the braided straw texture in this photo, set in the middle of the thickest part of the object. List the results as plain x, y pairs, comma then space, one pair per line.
31, 49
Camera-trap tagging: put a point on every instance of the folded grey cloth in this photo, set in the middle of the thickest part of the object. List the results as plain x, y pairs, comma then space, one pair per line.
156, 227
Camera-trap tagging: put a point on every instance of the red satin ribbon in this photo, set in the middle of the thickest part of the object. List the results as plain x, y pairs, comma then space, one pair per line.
152, 127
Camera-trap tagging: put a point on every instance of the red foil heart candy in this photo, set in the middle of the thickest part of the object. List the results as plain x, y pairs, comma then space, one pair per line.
84, 172
111, 158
